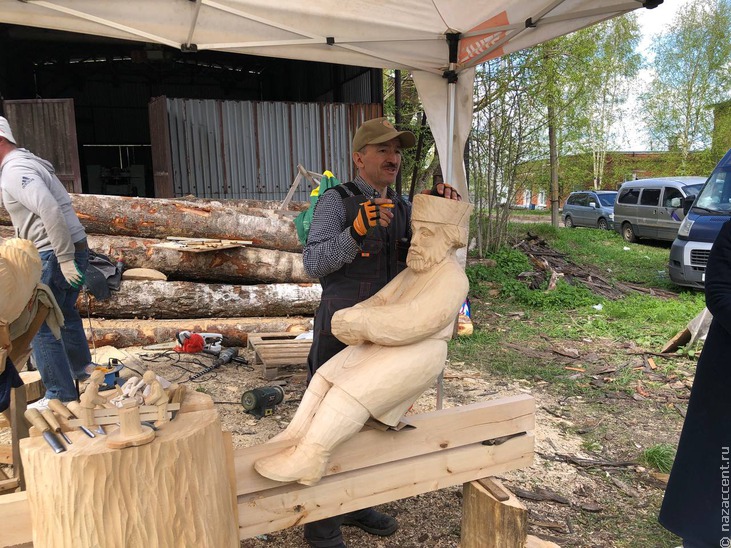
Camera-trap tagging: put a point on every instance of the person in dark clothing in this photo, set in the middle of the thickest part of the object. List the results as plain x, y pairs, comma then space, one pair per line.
698, 499
358, 242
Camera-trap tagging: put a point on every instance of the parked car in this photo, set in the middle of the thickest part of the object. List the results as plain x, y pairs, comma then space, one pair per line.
704, 218
653, 208
592, 208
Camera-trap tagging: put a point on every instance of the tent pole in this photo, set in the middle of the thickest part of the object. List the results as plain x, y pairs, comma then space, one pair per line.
397, 117
451, 76
450, 134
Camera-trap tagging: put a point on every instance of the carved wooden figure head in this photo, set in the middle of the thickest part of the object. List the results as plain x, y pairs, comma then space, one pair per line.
438, 226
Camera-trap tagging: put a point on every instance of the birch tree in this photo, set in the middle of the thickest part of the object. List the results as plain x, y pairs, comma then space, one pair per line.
690, 72
504, 137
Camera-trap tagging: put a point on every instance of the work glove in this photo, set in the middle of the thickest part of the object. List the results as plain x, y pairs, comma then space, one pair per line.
444, 190
71, 272
371, 213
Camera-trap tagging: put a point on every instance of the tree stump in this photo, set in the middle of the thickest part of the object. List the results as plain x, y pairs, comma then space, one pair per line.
174, 491
492, 518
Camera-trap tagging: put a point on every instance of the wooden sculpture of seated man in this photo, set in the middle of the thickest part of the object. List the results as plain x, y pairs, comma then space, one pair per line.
397, 347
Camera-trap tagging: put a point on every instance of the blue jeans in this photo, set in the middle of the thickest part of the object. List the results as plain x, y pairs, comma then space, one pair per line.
61, 361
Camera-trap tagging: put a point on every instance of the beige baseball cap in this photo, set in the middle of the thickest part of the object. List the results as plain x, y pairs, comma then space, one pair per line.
380, 130
5, 130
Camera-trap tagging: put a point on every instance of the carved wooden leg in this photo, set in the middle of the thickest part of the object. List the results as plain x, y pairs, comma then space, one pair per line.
338, 418
307, 408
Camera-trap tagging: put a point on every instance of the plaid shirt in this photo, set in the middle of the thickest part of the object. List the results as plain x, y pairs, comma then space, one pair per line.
330, 245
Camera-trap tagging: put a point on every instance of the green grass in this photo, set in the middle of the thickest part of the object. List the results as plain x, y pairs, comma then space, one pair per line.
660, 457
539, 212
512, 322
570, 313
642, 263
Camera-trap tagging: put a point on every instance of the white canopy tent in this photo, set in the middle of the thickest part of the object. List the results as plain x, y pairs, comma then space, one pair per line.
410, 35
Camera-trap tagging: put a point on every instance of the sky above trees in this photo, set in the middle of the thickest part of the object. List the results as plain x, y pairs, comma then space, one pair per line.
652, 24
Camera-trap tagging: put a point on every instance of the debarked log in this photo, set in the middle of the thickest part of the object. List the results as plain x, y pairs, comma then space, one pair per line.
239, 265
158, 299
235, 331
162, 217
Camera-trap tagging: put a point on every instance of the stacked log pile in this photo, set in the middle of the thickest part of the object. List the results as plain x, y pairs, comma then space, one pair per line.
258, 288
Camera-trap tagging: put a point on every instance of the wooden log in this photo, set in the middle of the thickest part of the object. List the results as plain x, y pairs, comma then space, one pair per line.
162, 217
490, 523
159, 218
240, 265
124, 333
292, 207
178, 485
155, 299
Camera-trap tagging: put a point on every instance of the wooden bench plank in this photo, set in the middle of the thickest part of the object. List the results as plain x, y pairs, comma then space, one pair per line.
430, 432
9, 484
15, 510
34, 388
279, 508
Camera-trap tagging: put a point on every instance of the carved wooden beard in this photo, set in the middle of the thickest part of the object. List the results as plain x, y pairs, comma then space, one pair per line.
423, 257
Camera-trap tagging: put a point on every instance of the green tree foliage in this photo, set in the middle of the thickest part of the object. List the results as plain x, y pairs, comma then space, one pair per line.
586, 79
611, 67
690, 72
504, 136
412, 111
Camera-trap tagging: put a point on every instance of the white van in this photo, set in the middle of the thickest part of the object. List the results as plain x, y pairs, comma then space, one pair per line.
653, 208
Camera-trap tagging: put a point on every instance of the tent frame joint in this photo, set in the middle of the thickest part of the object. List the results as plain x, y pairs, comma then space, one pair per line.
451, 76
189, 48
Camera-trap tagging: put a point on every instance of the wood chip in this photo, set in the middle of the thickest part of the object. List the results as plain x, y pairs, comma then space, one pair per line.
568, 352
548, 525
660, 477
540, 494
626, 489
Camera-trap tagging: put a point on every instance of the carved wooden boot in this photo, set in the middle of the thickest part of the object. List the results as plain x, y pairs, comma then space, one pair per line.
307, 408
338, 418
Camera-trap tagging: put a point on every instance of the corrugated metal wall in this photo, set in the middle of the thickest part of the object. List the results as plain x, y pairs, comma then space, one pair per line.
250, 149
47, 127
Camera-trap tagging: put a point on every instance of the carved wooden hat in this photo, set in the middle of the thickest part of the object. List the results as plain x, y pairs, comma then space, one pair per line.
435, 209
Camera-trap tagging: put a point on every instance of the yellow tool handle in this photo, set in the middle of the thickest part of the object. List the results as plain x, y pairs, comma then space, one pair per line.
75, 408
61, 409
34, 417
51, 420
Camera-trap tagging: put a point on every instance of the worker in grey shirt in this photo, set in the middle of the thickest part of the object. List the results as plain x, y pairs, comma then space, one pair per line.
40, 210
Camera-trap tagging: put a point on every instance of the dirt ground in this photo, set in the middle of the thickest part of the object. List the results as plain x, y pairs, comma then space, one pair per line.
587, 500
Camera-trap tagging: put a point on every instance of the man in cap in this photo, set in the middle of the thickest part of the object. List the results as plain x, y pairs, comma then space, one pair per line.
358, 242
407, 325
40, 210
